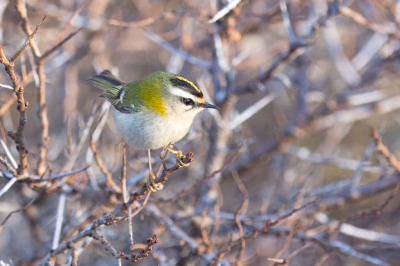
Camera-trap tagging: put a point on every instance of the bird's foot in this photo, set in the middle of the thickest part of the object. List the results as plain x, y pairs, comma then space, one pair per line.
153, 186
178, 155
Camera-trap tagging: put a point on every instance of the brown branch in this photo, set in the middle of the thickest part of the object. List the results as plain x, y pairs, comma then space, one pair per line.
204, 179
44, 120
294, 253
74, 256
322, 259
27, 42
143, 253
107, 219
144, 22
42, 112
286, 244
186, 159
9, 167
385, 151
4, 108
25, 25
58, 45
218, 257
374, 212
42, 179
286, 56
110, 182
18, 137
164, 15
64, 29
242, 206
23, 209
203, 230
360, 19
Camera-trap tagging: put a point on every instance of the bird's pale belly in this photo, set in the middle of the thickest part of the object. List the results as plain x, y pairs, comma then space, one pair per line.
150, 132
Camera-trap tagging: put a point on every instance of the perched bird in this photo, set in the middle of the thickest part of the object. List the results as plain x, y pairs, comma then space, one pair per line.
154, 111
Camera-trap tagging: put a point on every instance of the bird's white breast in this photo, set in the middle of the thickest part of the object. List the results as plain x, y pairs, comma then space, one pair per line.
150, 130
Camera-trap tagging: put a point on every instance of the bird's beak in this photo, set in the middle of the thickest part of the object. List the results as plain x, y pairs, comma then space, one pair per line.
208, 105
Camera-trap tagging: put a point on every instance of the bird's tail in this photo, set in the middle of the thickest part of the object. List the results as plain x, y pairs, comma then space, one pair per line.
105, 81
114, 90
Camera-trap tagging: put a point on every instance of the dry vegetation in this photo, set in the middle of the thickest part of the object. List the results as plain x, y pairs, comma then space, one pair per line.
297, 168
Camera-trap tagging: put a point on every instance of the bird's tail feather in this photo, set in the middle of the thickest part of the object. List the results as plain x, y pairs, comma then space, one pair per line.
114, 90
105, 81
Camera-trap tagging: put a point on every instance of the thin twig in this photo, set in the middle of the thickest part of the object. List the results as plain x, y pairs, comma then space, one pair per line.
269, 224
39, 179
64, 29
242, 206
8, 185
225, 10
9, 155
24, 208
287, 242
250, 111
6, 87
27, 42
103, 168
374, 212
205, 178
203, 230
74, 256
286, 21
385, 151
58, 45
166, 45
123, 173
59, 222
144, 22
20, 6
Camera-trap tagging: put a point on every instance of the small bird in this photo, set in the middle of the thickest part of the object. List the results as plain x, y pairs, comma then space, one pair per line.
154, 111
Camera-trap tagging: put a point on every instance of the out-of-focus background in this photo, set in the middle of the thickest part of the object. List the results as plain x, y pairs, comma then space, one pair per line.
301, 86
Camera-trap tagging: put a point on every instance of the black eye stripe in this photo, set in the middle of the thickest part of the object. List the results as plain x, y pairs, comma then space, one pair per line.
187, 102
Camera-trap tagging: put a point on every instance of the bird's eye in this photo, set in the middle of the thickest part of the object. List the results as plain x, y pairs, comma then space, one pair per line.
187, 101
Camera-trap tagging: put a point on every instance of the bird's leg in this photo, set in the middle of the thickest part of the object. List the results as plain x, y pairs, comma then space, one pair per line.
150, 168
153, 186
178, 155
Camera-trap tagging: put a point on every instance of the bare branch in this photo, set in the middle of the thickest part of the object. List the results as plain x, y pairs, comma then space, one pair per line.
231, 4
58, 45
59, 222
27, 42
169, 47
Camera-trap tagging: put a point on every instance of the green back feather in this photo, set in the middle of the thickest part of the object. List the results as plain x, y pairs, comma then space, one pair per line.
132, 96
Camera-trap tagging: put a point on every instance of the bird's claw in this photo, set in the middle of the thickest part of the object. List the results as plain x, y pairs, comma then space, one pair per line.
178, 156
153, 186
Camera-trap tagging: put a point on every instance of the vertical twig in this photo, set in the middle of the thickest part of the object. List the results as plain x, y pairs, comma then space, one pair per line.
75, 259
123, 173
17, 136
243, 206
59, 222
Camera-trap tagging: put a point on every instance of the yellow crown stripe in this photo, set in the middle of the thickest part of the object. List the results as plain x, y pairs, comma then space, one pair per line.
200, 100
188, 81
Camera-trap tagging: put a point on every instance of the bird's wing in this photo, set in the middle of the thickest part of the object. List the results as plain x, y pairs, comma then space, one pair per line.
117, 97
114, 91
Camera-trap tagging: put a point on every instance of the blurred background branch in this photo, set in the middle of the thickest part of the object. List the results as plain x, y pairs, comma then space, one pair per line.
291, 170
